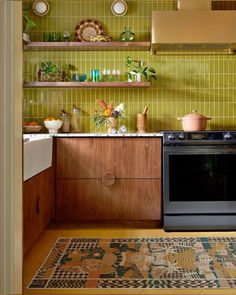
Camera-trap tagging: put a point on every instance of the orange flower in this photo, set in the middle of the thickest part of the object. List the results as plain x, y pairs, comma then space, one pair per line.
103, 104
110, 106
107, 113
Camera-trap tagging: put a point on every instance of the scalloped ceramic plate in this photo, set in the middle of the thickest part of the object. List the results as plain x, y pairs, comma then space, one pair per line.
88, 28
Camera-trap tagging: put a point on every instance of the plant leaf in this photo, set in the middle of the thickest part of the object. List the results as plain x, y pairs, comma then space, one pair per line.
145, 75
152, 70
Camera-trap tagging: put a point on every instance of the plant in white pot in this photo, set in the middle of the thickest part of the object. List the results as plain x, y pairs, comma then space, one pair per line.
29, 25
138, 71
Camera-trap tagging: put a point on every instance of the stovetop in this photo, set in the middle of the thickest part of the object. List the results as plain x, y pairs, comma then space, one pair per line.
199, 137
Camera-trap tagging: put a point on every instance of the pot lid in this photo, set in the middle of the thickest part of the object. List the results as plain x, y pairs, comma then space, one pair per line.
195, 116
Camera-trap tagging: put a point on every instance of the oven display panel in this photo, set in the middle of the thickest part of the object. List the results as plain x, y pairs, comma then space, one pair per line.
196, 136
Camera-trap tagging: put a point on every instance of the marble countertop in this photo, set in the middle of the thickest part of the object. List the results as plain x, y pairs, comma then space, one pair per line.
29, 137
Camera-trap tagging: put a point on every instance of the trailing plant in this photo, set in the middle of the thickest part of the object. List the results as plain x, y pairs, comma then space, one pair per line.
29, 24
68, 68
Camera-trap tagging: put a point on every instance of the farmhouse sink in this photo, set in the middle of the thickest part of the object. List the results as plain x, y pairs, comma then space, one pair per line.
37, 155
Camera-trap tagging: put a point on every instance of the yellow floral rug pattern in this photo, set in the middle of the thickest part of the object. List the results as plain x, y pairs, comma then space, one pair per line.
139, 263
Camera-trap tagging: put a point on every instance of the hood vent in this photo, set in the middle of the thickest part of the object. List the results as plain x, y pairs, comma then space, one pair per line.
194, 30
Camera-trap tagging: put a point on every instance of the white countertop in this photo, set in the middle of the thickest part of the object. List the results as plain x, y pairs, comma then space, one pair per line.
29, 137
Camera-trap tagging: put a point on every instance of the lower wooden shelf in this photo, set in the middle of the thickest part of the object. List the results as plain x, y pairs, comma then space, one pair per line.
86, 84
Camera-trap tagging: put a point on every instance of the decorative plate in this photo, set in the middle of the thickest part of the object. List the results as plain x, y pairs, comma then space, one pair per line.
40, 7
88, 28
119, 7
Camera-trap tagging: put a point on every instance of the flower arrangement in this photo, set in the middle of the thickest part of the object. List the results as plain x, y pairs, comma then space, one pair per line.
108, 111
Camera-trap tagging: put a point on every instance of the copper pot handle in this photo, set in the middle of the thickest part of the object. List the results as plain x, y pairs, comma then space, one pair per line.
108, 178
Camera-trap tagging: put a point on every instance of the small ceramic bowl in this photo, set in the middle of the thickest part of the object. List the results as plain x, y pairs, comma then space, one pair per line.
79, 77
53, 125
32, 129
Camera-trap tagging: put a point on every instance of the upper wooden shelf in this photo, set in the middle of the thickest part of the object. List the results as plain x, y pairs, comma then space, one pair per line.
86, 84
82, 46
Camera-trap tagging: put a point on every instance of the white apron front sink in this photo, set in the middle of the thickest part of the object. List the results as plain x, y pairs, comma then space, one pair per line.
37, 156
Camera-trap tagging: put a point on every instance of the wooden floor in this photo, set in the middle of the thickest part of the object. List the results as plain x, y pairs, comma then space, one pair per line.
37, 254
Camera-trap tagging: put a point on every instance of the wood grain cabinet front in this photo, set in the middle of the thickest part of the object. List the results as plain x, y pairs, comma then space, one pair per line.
91, 200
124, 157
108, 179
38, 199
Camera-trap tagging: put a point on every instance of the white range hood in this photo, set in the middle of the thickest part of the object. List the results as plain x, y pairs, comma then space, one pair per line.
194, 27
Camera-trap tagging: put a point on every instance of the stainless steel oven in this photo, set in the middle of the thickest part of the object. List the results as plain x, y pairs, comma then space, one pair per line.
199, 180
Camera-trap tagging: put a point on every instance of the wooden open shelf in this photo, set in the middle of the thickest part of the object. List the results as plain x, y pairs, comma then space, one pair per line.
86, 84
82, 46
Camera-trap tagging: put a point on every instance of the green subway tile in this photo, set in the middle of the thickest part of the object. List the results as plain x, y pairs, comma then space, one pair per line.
185, 82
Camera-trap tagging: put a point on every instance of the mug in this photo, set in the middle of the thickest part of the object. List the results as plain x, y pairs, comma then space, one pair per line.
47, 37
55, 37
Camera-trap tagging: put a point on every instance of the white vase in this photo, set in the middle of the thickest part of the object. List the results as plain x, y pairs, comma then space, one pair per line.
138, 77
135, 77
26, 38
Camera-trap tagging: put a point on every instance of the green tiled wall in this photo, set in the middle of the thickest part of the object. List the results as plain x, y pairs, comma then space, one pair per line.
206, 82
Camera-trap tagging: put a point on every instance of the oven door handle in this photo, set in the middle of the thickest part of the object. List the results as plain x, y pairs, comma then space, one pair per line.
192, 149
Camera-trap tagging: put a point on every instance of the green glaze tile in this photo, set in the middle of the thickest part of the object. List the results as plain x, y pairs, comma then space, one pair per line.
185, 82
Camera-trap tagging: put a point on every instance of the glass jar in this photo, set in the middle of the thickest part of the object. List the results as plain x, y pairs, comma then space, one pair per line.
65, 123
76, 120
127, 35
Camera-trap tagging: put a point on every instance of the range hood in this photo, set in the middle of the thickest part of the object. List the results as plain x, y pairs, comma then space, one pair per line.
193, 30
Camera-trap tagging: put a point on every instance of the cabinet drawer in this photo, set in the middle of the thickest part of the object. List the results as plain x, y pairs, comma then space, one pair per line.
124, 157
126, 199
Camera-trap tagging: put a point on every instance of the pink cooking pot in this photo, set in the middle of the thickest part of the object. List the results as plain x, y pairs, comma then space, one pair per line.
194, 122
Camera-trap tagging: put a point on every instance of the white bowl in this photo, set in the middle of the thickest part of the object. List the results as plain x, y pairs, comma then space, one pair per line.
53, 125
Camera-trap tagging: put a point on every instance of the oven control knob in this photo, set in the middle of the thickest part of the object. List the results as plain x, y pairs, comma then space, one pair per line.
181, 136
227, 136
171, 136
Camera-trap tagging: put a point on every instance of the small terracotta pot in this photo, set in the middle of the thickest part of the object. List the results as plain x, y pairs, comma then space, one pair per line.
194, 122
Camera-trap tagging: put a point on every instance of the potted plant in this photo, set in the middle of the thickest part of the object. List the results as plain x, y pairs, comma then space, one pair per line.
50, 73
139, 71
29, 25
108, 115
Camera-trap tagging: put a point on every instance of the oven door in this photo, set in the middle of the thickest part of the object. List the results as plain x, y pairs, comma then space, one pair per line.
199, 179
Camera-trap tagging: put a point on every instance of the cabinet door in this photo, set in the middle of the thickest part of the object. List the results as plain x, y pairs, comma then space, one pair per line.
31, 207
138, 157
124, 157
126, 199
84, 157
38, 197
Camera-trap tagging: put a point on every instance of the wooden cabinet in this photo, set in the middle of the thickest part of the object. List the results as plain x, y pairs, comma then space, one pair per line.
38, 203
108, 179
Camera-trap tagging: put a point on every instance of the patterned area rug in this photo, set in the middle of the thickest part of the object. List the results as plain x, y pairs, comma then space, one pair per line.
139, 263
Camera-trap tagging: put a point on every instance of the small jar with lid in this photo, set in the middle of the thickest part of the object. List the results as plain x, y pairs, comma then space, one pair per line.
127, 35
76, 120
